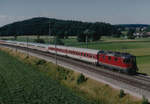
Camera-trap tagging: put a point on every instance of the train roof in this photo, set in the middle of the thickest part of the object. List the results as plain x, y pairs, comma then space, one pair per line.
85, 50
117, 54
30, 43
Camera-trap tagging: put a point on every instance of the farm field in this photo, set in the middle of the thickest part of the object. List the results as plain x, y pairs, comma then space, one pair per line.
22, 84
138, 47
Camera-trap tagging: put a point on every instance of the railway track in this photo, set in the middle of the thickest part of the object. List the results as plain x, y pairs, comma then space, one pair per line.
138, 81
143, 78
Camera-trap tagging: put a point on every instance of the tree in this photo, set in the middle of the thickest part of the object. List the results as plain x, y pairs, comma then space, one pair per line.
81, 78
66, 34
38, 36
117, 34
122, 93
95, 36
15, 36
87, 35
81, 37
57, 40
148, 29
130, 33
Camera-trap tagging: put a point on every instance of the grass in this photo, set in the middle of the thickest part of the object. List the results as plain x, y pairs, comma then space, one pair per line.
21, 83
38, 78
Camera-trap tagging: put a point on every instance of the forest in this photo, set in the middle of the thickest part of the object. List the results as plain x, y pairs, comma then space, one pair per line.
61, 28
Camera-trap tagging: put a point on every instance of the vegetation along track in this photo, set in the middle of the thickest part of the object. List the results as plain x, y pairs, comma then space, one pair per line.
138, 81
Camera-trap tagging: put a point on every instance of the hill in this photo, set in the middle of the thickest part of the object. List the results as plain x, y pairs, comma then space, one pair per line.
40, 26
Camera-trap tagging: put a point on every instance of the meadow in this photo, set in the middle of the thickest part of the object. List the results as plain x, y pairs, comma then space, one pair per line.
139, 47
23, 84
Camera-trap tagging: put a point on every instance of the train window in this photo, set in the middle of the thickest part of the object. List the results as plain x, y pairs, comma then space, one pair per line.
109, 58
126, 60
116, 59
75, 53
79, 53
87, 55
93, 56
90, 56
84, 54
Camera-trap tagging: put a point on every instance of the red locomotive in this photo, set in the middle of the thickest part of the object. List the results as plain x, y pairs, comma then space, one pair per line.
123, 62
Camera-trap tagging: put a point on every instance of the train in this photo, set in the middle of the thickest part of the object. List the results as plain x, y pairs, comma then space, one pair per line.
122, 62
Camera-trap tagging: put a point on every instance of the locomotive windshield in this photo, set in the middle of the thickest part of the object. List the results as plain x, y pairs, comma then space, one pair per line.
127, 60
130, 60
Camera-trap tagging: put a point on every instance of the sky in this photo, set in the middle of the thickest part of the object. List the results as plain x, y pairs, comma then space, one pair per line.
109, 11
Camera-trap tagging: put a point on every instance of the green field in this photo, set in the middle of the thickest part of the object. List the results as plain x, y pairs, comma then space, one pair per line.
138, 47
21, 83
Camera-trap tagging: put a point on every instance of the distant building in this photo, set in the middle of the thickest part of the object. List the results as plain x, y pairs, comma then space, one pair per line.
138, 34
147, 34
144, 28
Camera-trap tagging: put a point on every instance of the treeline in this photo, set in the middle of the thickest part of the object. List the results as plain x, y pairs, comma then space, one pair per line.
148, 29
130, 26
61, 28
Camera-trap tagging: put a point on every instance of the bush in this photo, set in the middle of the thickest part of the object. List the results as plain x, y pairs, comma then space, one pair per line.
81, 79
27, 57
145, 101
62, 73
40, 62
39, 41
60, 42
121, 94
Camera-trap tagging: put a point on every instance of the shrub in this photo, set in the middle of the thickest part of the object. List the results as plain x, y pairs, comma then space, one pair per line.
121, 94
63, 73
39, 41
145, 101
81, 78
26, 57
60, 42
40, 62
